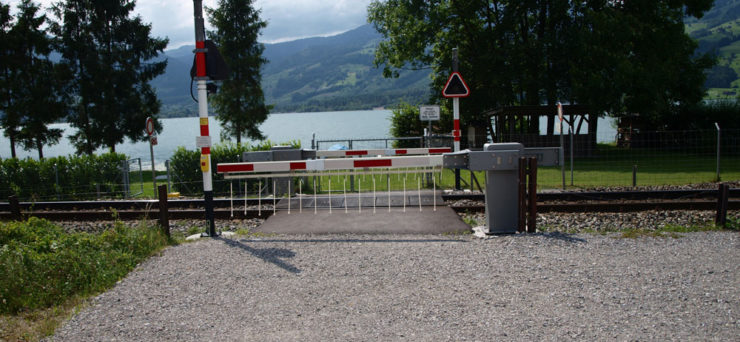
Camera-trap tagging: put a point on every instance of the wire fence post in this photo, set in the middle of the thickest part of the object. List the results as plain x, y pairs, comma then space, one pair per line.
125, 172
141, 177
718, 150
56, 181
169, 182
571, 149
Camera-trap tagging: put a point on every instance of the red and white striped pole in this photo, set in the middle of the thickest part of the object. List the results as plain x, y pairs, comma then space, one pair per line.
456, 120
204, 139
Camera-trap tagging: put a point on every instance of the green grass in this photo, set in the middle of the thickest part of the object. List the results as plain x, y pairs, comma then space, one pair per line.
609, 167
673, 231
47, 272
148, 185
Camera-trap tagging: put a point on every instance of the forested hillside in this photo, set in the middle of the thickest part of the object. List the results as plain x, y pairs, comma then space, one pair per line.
718, 32
313, 74
337, 73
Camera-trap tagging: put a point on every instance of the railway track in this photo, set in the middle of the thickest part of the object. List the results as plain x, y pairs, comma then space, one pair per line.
618, 201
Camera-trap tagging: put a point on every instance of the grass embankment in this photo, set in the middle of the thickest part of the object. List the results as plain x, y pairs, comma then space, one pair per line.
48, 272
675, 231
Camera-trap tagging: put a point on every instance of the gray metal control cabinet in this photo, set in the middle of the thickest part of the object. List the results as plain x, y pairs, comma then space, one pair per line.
502, 187
501, 163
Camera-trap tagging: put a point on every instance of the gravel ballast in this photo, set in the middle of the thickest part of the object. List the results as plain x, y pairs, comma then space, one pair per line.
549, 286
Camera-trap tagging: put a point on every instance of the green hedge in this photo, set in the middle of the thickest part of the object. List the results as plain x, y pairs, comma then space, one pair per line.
75, 176
44, 266
185, 165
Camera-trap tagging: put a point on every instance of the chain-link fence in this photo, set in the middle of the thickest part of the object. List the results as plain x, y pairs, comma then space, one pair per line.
647, 158
133, 177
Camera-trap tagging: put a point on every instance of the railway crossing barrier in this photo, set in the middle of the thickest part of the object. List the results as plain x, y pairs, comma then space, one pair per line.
504, 200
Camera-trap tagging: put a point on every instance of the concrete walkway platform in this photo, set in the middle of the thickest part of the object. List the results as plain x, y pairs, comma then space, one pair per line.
356, 215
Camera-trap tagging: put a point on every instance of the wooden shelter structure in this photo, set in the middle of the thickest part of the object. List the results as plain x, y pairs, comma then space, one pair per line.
522, 124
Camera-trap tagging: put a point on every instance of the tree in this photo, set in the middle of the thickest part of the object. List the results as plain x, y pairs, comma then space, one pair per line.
8, 120
240, 102
539, 52
405, 122
111, 56
37, 96
636, 58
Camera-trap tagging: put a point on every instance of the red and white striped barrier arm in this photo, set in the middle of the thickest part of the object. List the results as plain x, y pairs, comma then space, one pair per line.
331, 164
383, 152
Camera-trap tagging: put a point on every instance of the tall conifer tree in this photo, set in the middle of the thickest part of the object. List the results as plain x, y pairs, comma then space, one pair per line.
240, 102
8, 121
38, 99
111, 55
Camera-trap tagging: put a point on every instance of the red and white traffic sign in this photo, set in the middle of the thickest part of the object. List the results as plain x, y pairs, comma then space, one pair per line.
149, 126
456, 86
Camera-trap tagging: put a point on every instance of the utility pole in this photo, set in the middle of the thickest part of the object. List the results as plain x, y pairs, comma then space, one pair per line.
204, 139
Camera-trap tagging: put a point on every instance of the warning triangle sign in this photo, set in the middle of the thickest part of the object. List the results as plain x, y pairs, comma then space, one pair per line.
456, 86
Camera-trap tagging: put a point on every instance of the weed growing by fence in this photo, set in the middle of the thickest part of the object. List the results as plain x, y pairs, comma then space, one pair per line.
43, 266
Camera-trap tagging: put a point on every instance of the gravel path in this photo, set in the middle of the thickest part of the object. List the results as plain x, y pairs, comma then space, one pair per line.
548, 286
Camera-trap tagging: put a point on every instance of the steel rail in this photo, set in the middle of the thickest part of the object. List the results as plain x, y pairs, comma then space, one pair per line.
622, 201
611, 207
608, 195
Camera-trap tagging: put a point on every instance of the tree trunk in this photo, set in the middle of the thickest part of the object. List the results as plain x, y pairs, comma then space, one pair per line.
238, 135
40, 147
592, 126
12, 145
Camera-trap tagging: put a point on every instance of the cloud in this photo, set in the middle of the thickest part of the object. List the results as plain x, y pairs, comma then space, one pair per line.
291, 19
286, 19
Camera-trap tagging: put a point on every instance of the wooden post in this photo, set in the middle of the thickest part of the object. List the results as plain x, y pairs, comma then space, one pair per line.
522, 194
532, 205
15, 208
723, 194
164, 217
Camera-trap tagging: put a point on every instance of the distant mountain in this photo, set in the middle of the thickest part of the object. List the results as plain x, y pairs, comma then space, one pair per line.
718, 32
306, 75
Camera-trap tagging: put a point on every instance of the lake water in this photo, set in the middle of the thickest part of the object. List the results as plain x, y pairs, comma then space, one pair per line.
278, 128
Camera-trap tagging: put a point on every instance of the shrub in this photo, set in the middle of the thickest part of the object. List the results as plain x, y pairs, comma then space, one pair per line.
405, 122
71, 177
44, 266
186, 172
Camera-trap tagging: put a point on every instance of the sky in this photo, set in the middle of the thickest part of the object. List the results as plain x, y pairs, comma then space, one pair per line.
286, 19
